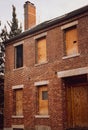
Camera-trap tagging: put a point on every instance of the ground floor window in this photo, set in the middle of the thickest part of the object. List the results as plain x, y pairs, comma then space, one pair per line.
43, 100
18, 102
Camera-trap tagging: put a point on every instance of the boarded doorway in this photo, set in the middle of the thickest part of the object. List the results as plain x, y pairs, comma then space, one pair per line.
77, 102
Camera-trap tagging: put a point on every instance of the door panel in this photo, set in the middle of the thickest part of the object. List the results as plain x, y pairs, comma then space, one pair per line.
77, 106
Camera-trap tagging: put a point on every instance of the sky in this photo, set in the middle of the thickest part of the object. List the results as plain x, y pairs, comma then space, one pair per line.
45, 9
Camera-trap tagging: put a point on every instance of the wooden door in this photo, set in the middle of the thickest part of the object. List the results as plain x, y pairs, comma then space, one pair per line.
43, 100
77, 106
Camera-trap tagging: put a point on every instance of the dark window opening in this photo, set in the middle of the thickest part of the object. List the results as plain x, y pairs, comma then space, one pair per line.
19, 56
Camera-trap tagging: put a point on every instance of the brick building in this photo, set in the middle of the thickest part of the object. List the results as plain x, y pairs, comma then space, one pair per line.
46, 75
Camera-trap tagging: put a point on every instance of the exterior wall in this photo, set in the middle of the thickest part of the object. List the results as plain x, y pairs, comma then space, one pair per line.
31, 73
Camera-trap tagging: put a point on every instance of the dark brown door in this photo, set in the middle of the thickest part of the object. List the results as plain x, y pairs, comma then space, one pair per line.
77, 105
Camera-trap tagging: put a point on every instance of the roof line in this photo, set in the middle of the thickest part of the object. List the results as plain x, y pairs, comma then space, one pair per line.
49, 23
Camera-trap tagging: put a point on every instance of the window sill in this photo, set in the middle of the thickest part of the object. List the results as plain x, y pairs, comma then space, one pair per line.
71, 56
17, 116
42, 116
38, 64
18, 68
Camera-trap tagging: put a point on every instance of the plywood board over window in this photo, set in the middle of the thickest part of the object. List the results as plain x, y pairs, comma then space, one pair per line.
19, 100
41, 55
71, 40
43, 100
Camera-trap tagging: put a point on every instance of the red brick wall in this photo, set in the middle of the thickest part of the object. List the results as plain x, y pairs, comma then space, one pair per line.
31, 73
29, 15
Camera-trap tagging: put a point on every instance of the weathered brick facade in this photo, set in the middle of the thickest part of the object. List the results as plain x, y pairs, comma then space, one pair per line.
53, 71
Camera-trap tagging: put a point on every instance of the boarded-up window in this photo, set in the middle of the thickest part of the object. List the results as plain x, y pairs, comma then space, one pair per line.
19, 56
43, 100
19, 105
41, 55
71, 41
18, 102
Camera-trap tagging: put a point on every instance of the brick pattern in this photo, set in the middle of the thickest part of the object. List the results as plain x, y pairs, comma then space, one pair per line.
29, 15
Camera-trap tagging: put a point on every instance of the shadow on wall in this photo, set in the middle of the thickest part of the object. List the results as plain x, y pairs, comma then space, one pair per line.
1, 121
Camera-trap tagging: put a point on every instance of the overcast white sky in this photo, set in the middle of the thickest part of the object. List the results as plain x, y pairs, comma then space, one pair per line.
46, 9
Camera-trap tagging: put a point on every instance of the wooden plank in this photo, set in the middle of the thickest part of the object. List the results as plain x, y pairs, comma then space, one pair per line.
19, 105
80, 106
43, 104
71, 41
41, 49
77, 105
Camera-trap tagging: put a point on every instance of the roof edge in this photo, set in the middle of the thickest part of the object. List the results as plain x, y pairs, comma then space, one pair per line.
49, 23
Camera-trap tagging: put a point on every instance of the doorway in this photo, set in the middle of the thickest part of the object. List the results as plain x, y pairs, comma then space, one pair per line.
77, 102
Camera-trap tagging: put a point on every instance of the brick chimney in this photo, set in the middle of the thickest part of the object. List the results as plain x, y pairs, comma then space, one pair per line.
29, 15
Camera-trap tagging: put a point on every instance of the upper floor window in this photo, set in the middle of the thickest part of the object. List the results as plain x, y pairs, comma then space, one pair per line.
19, 56
41, 54
71, 41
